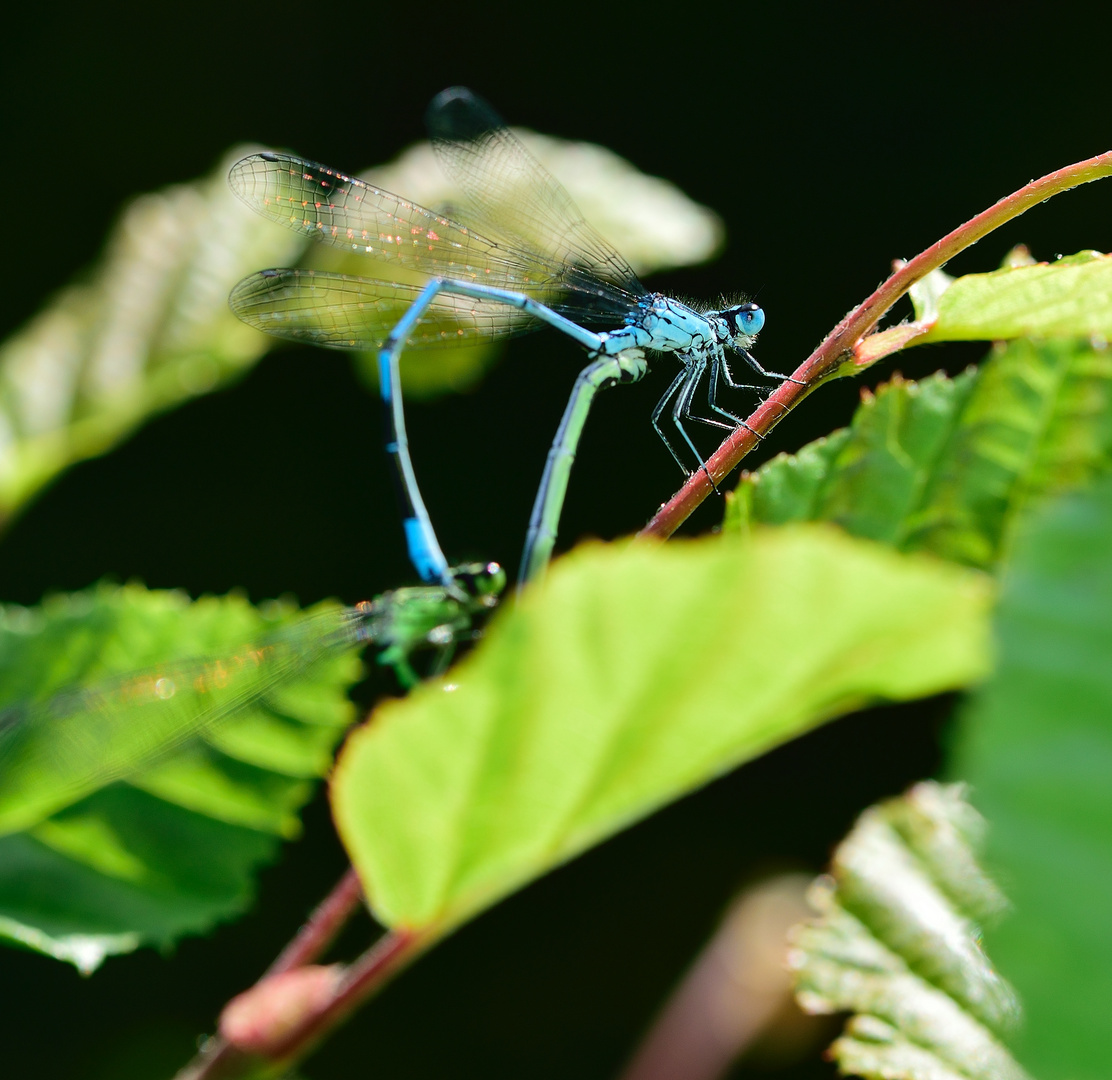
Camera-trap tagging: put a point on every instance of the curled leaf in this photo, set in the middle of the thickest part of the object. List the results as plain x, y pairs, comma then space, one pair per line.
897, 944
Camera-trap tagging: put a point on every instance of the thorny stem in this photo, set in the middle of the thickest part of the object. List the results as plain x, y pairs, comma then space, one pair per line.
835, 356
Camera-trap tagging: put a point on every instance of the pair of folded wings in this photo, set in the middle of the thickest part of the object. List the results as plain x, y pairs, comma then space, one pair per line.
529, 237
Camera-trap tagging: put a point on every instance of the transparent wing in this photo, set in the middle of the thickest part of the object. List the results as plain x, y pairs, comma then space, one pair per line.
79, 740
514, 197
350, 214
347, 312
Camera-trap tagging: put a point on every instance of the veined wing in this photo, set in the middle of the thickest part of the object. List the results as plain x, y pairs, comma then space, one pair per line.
353, 215
59, 750
348, 213
513, 196
348, 312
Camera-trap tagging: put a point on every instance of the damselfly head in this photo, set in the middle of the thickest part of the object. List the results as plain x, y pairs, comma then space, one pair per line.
481, 582
744, 322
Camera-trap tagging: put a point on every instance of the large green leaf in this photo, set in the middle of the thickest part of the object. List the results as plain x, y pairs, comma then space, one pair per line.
1036, 744
635, 674
93, 862
948, 465
896, 945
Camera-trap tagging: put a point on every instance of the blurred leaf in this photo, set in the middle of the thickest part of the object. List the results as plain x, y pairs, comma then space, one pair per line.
896, 944
149, 329
1036, 743
947, 465
633, 676
429, 373
926, 294
92, 866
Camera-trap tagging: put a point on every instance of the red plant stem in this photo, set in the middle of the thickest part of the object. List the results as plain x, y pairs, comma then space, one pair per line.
320, 930
219, 1060
824, 363
362, 979
330, 916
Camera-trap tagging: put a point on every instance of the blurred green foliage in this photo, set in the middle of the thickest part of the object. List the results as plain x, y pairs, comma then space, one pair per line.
1036, 744
89, 867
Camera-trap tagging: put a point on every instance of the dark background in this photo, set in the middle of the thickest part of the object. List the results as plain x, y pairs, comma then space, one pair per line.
831, 141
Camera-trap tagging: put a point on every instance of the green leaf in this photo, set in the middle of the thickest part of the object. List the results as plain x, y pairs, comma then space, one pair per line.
123, 870
1071, 297
634, 675
897, 944
139, 848
1036, 744
948, 465
148, 330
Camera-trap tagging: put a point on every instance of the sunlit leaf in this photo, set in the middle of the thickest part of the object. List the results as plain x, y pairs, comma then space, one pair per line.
632, 676
1071, 297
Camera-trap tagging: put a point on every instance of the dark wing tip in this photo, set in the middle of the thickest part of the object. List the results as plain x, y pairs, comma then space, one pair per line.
240, 174
245, 295
460, 115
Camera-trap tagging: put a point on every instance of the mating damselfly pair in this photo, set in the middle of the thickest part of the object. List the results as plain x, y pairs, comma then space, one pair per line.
519, 257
